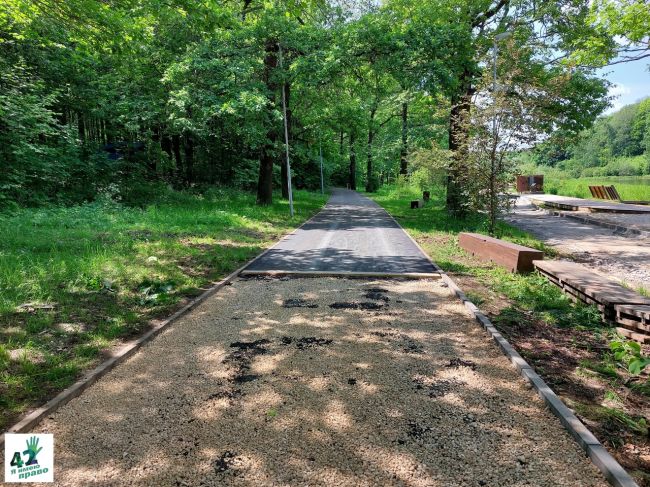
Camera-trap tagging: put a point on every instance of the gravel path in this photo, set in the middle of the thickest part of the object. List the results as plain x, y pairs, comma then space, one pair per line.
351, 234
323, 382
626, 258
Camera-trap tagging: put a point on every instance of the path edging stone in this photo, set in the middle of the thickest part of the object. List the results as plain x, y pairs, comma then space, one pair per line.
600, 457
33, 418
598, 454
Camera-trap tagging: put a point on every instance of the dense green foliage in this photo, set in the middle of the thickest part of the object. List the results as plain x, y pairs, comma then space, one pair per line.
124, 98
616, 145
76, 280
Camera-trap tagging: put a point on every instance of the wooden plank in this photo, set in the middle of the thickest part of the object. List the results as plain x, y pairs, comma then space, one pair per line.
580, 284
516, 258
633, 325
597, 287
551, 277
632, 335
639, 311
615, 194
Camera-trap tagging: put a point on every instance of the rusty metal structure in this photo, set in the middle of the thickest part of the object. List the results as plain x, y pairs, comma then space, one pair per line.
530, 184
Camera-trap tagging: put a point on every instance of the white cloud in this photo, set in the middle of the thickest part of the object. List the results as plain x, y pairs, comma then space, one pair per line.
618, 89
621, 94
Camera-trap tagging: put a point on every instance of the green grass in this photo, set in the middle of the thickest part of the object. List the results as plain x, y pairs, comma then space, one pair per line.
107, 270
530, 301
626, 187
437, 233
614, 417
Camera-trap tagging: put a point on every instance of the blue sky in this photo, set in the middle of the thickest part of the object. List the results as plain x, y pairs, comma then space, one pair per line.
631, 82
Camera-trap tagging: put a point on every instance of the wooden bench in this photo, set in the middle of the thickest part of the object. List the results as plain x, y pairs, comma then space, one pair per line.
610, 193
513, 257
617, 304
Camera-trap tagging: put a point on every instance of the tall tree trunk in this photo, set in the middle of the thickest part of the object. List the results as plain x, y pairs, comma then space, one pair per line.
457, 198
189, 159
166, 145
176, 149
81, 127
370, 183
152, 162
265, 180
403, 163
104, 132
283, 164
353, 164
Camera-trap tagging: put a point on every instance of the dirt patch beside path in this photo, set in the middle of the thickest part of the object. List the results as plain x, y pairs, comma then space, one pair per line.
245, 391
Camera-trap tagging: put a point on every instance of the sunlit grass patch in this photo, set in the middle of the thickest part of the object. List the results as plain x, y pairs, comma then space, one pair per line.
107, 270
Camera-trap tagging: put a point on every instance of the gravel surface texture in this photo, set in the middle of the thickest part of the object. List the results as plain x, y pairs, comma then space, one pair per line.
351, 234
626, 258
267, 384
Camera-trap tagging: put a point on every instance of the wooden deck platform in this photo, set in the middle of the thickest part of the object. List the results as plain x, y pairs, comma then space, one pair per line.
617, 304
634, 317
579, 204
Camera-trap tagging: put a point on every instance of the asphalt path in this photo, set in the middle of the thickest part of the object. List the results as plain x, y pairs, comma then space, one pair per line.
351, 234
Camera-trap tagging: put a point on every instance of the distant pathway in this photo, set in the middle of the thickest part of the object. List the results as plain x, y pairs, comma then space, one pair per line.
626, 258
351, 234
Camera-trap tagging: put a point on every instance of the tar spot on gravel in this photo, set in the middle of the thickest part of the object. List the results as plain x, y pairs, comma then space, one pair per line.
412, 347
312, 342
352, 381
256, 346
240, 359
417, 431
355, 305
376, 290
241, 379
376, 296
385, 334
298, 303
305, 342
222, 463
227, 394
438, 388
459, 362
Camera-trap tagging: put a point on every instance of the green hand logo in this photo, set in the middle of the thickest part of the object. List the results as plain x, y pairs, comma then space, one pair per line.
32, 450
